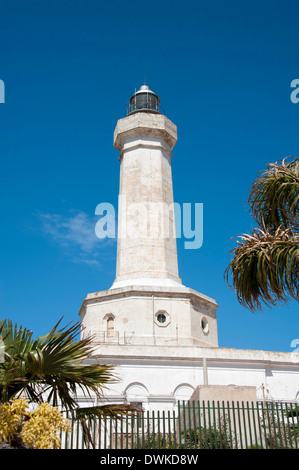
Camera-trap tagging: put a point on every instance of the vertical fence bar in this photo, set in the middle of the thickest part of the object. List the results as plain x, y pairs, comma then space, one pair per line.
175, 420
127, 432
239, 423
82, 437
276, 425
169, 430
296, 425
142, 427
191, 431
199, 424
94, 423
254, 426
134, 441
271, 427
116, 433
148, 428
280, 412
205, 424
164, 432
260, 430
185, 425
215, 425
159, 434
180, 425
261, 421
154, 430
293, 424
77, 434
194, 426
221, 427
280, 421
105, 432
136, 427
236, 425
264, 425
244, 425
249, 423
210, 426
229, 422
289, 430
100, 432
227, 426
72, 431
121, 432
110, 433
66, 433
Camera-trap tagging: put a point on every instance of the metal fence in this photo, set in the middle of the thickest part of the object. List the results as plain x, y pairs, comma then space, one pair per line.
195, 425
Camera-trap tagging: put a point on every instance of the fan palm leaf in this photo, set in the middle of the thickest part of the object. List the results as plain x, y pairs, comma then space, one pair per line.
51, 366
54, 367
274, 196
265, 268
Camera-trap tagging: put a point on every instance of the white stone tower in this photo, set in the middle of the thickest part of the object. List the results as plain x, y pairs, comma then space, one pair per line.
146, 252
147, 303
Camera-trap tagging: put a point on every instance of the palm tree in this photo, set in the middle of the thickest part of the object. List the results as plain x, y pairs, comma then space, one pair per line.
265, 264
51, 368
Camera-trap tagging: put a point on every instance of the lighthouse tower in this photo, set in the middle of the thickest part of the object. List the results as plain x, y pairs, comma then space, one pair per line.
146, 251
147, 303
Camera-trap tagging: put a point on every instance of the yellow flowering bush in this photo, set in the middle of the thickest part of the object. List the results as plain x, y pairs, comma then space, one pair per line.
38, 429
11, 416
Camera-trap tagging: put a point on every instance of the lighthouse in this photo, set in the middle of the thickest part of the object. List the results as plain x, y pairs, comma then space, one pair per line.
147, 303
146, 250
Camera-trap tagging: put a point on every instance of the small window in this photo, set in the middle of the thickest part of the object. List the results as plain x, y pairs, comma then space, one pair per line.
161, 317
110, 327
204, 325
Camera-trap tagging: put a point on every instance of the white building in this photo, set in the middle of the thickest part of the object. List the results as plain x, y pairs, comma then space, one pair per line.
160, 334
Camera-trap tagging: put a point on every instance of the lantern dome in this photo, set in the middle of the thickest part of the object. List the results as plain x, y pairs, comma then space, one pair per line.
144, 100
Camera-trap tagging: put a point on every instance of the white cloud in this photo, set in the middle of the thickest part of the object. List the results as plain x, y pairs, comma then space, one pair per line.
74, 233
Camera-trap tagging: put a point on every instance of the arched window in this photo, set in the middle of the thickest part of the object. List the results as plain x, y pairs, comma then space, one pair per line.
110, 326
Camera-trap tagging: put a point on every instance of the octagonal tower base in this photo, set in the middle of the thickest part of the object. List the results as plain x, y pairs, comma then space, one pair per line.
148, 315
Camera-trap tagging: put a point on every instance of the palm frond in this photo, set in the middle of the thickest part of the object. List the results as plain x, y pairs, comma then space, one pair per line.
53, 367
274, 196
265, 268
52, 363
105, 411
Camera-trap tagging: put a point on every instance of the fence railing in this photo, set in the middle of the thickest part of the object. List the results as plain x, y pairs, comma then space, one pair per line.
195, 425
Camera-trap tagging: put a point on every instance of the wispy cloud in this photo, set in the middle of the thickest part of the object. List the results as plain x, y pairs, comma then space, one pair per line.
75, 233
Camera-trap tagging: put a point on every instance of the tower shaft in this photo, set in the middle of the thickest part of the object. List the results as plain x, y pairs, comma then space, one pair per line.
146, 249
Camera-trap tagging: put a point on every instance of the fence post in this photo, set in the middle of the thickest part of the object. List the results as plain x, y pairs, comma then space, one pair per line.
195, 426
295, 427
148, 427
184, 421
180, 428
174, 429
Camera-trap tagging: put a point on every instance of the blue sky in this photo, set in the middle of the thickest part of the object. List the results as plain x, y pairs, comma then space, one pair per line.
223, 72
